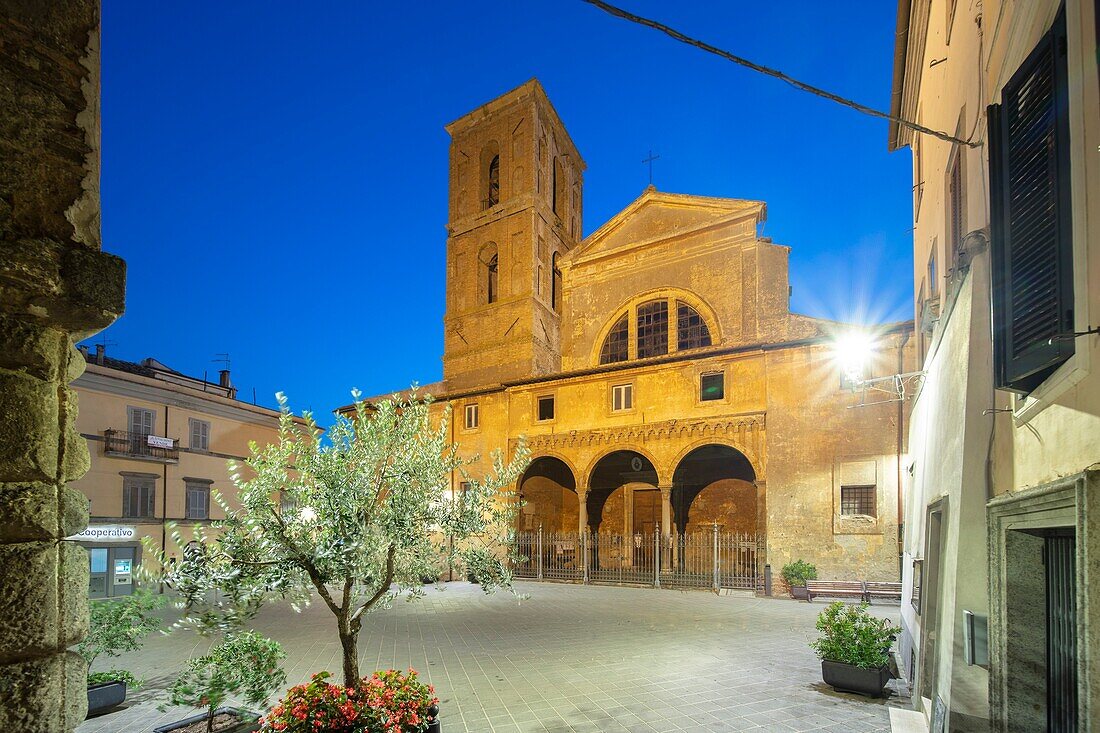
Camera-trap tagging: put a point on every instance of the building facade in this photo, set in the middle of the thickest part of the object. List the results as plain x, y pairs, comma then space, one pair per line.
654, 366
1001, 542
159, 443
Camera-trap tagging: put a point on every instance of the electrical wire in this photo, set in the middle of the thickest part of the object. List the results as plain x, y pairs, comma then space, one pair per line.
775, 73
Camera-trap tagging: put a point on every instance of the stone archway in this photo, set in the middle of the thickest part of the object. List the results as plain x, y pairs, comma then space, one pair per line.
627, 470
548, 489
715, 483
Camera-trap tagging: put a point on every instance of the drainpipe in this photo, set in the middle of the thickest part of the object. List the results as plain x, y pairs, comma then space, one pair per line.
904, 339
164, 500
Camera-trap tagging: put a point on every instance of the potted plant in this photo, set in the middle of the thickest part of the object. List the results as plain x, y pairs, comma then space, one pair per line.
116, 626
244, 664
796, 574
854, 648
387, 702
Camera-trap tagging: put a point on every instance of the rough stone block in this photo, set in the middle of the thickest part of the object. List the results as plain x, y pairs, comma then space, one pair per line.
44, 695
31, 347
74, 511
76, 364
28, 512
28, 600
29, 431
95, 285
73, 623
75, 460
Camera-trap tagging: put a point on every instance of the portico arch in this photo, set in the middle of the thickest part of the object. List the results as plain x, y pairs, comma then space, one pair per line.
626, 469
715, 483
548, 489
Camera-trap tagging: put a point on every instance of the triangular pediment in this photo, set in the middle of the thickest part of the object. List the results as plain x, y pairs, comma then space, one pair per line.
655, 216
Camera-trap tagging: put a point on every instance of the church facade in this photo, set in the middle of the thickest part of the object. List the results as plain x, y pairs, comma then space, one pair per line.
661, 380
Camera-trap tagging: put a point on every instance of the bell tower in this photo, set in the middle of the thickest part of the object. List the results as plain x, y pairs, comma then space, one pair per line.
516, 180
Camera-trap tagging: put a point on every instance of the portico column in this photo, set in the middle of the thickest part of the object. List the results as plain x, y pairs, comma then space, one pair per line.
582, 510
668, 556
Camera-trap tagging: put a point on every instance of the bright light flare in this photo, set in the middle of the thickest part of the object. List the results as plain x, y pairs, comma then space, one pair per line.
309, 515
853, 351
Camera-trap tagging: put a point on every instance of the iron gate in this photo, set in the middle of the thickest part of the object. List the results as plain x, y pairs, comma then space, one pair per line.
710, 559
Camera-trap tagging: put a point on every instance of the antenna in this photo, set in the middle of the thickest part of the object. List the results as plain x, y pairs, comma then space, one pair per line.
223, 357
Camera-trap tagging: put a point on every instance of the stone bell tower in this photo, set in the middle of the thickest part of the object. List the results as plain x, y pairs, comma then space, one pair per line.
515, 209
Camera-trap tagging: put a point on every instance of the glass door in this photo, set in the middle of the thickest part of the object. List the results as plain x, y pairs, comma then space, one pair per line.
97, 583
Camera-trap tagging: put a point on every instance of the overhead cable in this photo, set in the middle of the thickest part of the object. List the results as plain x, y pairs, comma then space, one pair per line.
655, 25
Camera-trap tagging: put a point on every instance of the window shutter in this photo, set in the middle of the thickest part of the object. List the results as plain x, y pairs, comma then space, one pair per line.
1031, 249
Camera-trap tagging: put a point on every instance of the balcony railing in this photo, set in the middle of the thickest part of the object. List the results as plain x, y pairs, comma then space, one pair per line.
138, 445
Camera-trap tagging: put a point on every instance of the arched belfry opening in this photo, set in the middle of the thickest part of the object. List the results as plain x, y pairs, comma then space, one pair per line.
549, 492
715, 484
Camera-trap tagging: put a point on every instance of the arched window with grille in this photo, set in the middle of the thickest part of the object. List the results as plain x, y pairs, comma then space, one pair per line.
691, 329
653, 328
493, 197
615, 345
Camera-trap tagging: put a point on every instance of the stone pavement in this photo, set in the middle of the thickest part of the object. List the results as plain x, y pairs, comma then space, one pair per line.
569, 658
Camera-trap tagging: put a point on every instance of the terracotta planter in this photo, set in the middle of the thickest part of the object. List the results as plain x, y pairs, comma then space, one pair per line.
105, 696
850, 678
249, 722
798, 592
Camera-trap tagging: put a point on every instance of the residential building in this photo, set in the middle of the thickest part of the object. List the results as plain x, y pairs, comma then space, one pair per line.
1001, 542
159, 442
662, 382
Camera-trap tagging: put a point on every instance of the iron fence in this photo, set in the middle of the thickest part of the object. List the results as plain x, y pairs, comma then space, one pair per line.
709, 559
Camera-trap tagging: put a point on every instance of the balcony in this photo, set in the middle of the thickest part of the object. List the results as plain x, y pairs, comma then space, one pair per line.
140, 446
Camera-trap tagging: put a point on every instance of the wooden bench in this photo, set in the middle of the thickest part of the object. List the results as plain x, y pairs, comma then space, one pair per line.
881, 589
835, 589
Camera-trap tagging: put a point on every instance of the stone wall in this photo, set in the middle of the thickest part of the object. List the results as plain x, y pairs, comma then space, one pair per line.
55, 286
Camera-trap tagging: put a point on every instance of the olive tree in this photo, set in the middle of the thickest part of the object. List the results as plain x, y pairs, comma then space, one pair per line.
357, 515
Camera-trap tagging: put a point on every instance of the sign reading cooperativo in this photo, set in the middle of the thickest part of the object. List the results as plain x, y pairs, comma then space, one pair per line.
105, 533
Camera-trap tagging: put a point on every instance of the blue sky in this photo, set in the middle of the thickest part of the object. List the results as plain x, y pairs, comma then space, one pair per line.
277, 179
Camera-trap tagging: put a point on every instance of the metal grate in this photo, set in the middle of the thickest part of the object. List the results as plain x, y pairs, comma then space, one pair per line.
857, 500
615, 345
691, 329
1061, 589
653, 328
712, 559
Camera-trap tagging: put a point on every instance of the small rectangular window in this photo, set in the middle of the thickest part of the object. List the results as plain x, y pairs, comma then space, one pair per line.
546, 407
472, 416
857, 500
137, 497
712, 387
933, 273
200, 434
198, 500
622, 397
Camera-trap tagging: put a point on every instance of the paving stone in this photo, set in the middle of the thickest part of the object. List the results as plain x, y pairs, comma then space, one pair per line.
572, 659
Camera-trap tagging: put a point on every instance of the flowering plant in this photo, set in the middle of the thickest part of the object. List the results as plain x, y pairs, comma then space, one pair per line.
387, 702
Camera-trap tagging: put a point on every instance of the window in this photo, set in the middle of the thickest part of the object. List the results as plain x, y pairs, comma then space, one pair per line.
546, 408
918, 175
555, 287
493, 197
558, 194
956, 215
1031, 243
712, 387
933, 273
653, 328
200, 434
487, 278
622, 397
857, 500
198, 499
615, 344
691, 329
137, 496
471, 416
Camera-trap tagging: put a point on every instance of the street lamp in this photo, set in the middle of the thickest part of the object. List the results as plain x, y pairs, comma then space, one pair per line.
854, 353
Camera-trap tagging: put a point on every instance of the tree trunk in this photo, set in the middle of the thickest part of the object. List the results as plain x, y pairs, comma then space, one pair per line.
348, 639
